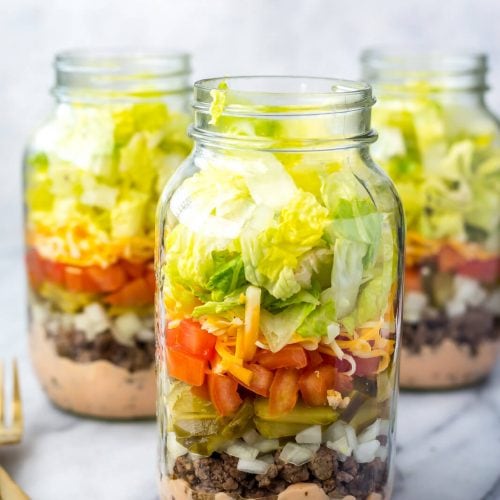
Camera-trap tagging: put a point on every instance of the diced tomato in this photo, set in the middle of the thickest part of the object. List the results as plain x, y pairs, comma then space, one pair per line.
261, 380
291, 356
449, 259
108, 279
134, 293
133, 269
224, 394
76, 279
283, 392
343, 384
366, 367
34, 266
201, 391
314, 359
185, 367
413, 279
485, 271
314, 382
151, 280
192, 339
54, 272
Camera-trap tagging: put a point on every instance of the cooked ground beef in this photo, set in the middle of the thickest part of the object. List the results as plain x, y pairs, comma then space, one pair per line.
74, 345
219, 473
477, 325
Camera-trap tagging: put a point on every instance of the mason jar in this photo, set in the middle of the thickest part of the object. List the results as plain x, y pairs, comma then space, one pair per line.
93, 173
279, 261
441, 146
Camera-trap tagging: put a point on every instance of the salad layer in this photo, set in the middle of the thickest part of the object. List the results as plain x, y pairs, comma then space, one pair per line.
277, 332
94, 173
444, 158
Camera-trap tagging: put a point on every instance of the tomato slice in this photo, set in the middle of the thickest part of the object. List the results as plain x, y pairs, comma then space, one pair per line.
314, 359
343, 384
224, 394
485, 271
366, 367
191, 338
108, 279
261, 380
314, 382
76, 279
34, 266
283, 392
185, 367
134, 293
133, 269
291, 356
449, 259
413, 279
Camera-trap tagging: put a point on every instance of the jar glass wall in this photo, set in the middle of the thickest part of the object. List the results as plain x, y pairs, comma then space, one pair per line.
93, 174
278, 263
441, 146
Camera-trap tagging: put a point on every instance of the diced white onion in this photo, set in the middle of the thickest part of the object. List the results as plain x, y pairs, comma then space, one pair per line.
384, 427
352, 361
242, 450
313, 447
365, 452
310, 435
414, 305
92, 320
350, 435
174, 448
269, 459
340, 446
295, 454
253, 466
370, 433
335, 431
145, 334
266, 445
125, 328
251, 436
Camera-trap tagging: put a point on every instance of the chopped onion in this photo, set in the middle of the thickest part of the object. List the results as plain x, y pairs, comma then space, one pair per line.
269, 459
335, 431
381, 453
242, 450
125, 328
174, 448
313, 447
384, 427
332, 332
251, 436
352, 361
370, 433
295, 454
365, 452
340, 446
350, 435
253, 466
310, 435
265, 445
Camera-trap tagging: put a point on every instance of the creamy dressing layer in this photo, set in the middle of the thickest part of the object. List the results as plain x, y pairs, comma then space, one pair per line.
98, 389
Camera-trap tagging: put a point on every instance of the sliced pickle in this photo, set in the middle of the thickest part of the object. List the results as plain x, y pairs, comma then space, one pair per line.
366, 385
276, 430
361, 411
442, 289
202, 445
301, 414
240, 422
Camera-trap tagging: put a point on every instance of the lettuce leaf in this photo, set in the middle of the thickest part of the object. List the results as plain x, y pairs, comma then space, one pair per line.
316, 323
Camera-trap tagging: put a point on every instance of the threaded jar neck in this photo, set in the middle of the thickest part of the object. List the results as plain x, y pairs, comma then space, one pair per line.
282, 113
89, 75
401, 71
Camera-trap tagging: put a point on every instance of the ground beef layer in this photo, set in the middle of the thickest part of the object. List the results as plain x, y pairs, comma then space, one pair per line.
471, 329
219, 473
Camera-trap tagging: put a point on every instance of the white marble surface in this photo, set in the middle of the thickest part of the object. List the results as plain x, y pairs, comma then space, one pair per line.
448, 443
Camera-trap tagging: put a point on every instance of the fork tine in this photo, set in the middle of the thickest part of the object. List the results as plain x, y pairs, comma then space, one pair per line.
1, 393
17, 411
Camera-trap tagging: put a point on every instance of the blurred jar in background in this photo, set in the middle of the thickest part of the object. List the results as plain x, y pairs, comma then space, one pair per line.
441, 146
93, 174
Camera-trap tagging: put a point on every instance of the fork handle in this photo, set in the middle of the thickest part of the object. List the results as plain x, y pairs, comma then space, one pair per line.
9, 490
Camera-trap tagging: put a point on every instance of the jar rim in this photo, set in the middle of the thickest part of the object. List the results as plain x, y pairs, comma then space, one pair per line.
275, 95
120, 73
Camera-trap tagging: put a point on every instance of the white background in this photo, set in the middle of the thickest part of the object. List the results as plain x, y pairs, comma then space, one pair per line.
316, 37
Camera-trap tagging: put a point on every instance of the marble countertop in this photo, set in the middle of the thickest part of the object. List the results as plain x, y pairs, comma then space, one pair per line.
448, 443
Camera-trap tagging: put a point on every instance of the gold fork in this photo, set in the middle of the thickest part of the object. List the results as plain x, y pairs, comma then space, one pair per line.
11, 433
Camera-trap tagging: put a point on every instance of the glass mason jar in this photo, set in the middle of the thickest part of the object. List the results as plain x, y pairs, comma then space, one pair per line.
441, 146
93, 174
280, 251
